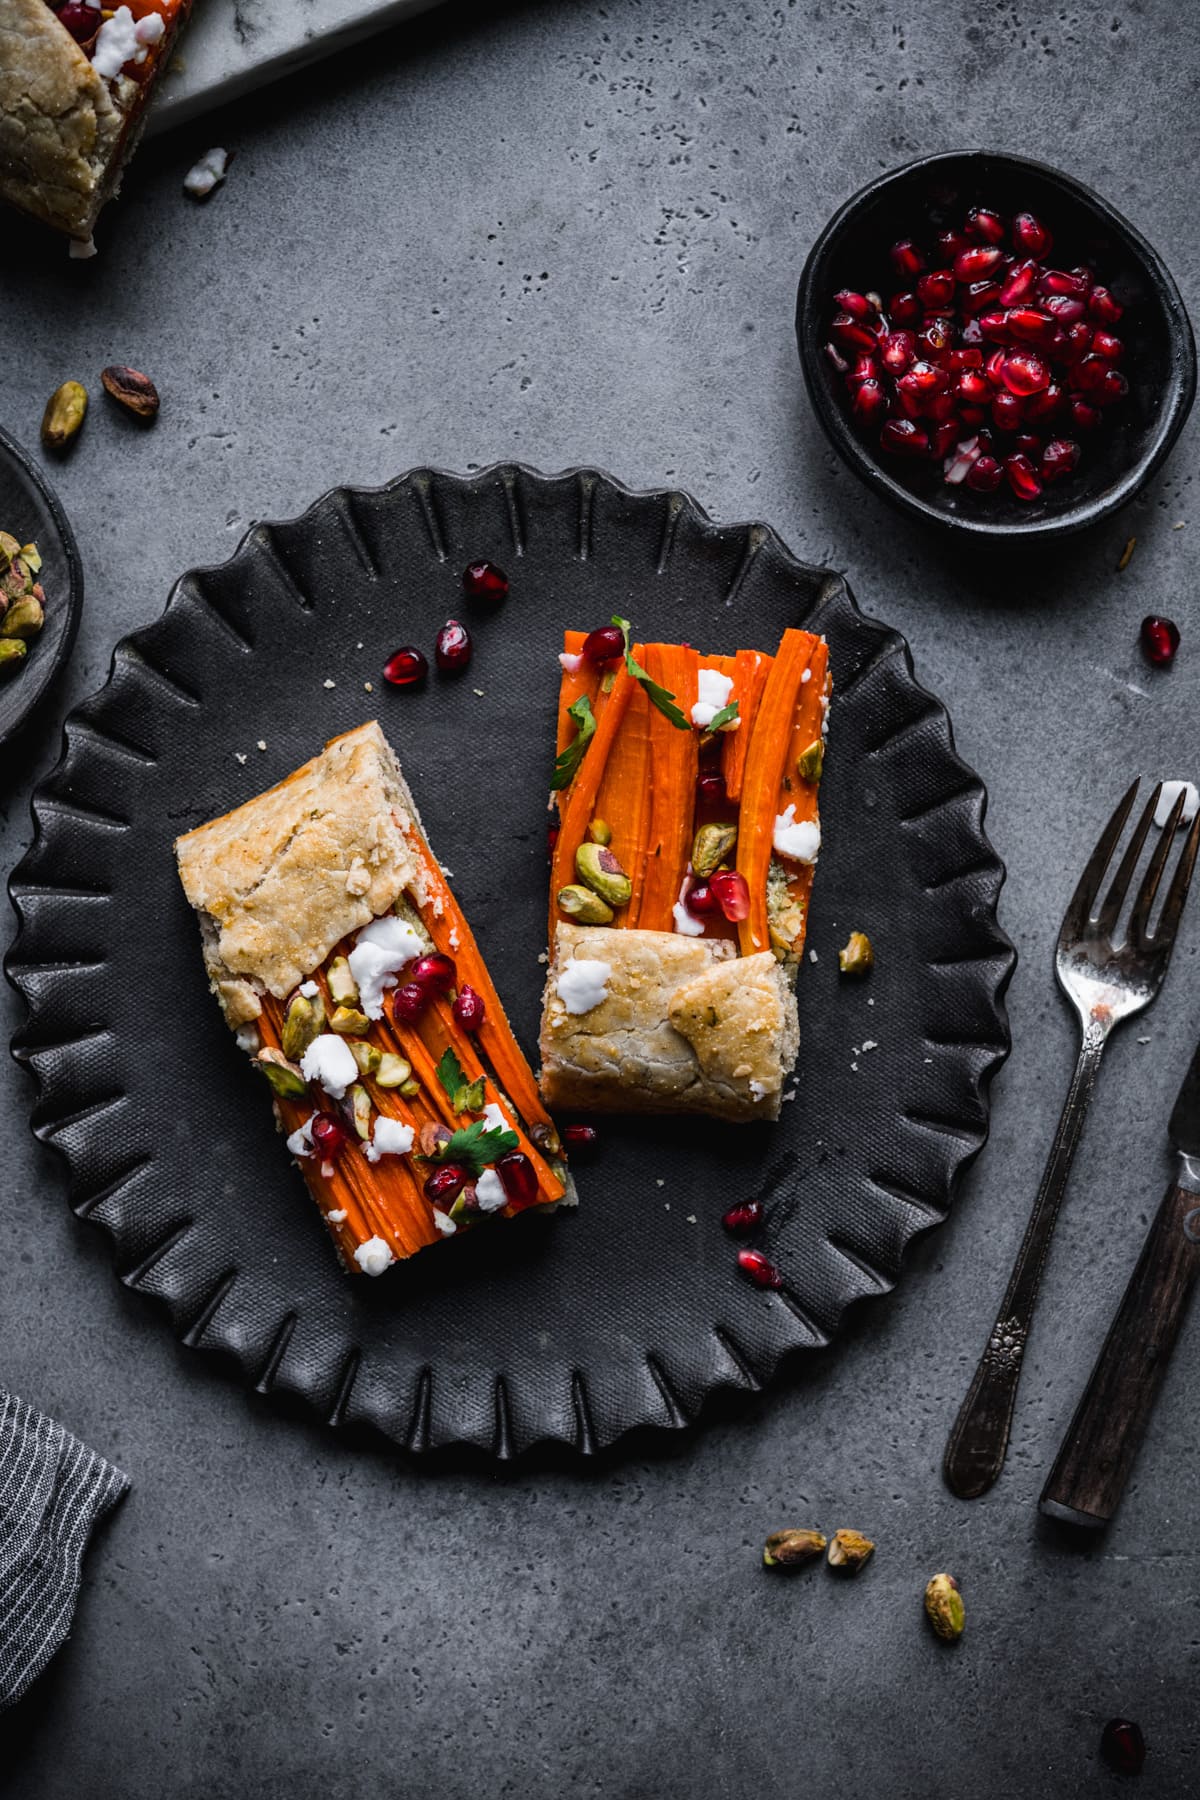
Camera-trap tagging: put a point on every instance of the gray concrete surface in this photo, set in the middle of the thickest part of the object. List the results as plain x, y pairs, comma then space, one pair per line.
571, 232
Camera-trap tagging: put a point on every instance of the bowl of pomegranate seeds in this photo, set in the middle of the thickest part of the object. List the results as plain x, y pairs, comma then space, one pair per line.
992, 347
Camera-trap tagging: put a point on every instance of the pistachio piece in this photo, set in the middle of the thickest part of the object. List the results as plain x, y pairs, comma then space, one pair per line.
393, 1071
343, 989
31, 556
469, 1097
944, 1607
599, 869
788, 1549
12, 652
811, 762
9, 548
712, 845
580, 903
360, 1106
599, 832
64, 414
284, 1077
304, 1020
24, 618
849, 1550
431, 1137
857, 957
410, 1089
132, 390
349, 1021
366, 1056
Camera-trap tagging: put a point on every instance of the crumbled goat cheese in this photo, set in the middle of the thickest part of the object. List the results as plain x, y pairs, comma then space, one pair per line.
384, 948
373, 1257
117, 44
248, 1038
337, 1216
79, 249
261, 744
758, 1089
799, 840
1171, 791
489, 1192
300, 1143
309, 989
239, 756
493, 1118
569, 661
329, 684
444, 1223
329, 1060
812, 956
391, 1139
714, 691
685, 923
870, 1044
583, 984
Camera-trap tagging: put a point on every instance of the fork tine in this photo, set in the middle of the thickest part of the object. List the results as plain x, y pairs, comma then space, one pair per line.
1115, 898
1076, 916
1150, 880
1168, 924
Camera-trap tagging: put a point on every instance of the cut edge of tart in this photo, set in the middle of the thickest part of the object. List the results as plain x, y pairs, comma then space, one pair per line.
345, 965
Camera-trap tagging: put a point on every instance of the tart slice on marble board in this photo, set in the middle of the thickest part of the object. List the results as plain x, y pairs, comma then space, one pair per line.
345, 965
688, 832
75, 79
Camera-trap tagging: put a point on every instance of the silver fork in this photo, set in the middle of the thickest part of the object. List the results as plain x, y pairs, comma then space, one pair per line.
1106, 983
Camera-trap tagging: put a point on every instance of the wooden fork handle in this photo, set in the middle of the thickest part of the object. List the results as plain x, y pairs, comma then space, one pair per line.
1086, 1482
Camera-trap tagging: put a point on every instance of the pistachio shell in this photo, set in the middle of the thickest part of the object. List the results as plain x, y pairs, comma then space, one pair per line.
393, 1071
349, 1021
12, 652
31, 556
284, 1077
598, 868
849, 1550
343, 989
64, 414
24, 619
787, 1549
360, 1102
944, 1607
303, 1022
712, 845
580, 903
858, 956
9, 548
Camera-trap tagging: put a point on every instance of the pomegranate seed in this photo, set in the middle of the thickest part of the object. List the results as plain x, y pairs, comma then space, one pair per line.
857, 305
965, 359
994, 326
406, 668
851, 333
942, 406
985, 475
1090, 372
897, 350
870, 403
328, 1134
958, 466
435, 972
1123, 1747
759, 1268
1075, 285
1019, 283
700, 901
1032, 326
83, 22
924, 380
1040, 406
1114, 386
469, 1009
445, 1184
519, 1178
910, 404
903, 438
1007, 412
1059, 458
972, 416
863, 368
1022, 476
1064, 309
905, 309
1084, 416
936, 289
934, 337
409, 1002
602, 645
452, 650
1083, 274
978, 263
979, 296
1077, 341
1030, 444
732, 892
950, 243
993, 366
743, 1217
580, 1139
1160, 639
984, 227
907, 260
711, 789
484, 581
1024, 373
1030, 235
1109, 347
1101, 306
943, 436
552, 832
834, 356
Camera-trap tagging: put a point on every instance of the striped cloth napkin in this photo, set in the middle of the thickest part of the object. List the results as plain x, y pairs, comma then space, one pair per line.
53, 1489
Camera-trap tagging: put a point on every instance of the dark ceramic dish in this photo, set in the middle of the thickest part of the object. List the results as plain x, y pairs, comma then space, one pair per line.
31, 512
630, 1311
1160, 361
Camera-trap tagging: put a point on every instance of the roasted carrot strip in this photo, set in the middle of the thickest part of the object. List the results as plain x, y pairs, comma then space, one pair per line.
623, 799
581, 795
673, 771
763, 778
794, 789
750, 672
574, 684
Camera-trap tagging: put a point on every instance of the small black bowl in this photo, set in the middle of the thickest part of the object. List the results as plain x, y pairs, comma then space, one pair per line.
30, 510
933, 193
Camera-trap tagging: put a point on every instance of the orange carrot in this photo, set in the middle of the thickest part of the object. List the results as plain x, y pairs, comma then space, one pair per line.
580, 797
763, 778
750, 672
795, 789
623, 799
673, 771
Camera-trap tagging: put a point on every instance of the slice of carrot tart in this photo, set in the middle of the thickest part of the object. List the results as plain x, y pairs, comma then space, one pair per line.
687, 840
345, 965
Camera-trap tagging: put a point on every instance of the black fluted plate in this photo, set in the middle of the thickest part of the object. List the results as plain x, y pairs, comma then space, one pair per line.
575, 1327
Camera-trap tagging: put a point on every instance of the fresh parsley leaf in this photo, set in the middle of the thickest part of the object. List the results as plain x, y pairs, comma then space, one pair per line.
658, 696
451, 1073
726, 716
568, 760
475, 1146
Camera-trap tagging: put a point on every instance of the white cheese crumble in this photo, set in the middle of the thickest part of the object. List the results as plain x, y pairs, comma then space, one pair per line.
373, 1257
384, 948
309, 989
300, 1143
328, 1060
807, 676
203, 176
870, 1044
249, 1039
453, 937
1171, 791
583, 984
117, 44
758, 1089
444, 1223
799, 840
489, 1192
812, 956
685, 922
569, 661
391, 1139
714, 691
239, 756
79, 249
337, 1216
493, 1118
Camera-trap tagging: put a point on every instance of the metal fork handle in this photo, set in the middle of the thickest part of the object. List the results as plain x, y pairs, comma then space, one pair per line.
978, 1443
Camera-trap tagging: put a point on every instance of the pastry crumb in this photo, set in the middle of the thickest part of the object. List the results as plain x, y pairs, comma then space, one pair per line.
870, 1044
327, 683
1143, 1040
262, 744
854, 1068
543, 956
691, 1218
369, 687
478, 691
239, 756
660, 1182
812, 956
1179, 525
205, 175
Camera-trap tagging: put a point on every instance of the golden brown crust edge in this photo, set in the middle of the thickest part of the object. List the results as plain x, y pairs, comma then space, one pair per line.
683, 1028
